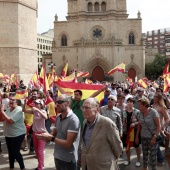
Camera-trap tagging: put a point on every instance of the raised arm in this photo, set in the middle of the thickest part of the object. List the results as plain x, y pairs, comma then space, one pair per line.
26, 110
60, 89
98, 91
43, 113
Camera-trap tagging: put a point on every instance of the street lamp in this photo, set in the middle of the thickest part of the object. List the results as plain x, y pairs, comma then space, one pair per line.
51, 65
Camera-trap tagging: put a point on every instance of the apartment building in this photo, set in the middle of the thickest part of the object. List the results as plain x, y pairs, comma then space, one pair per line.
158, 39
44, 45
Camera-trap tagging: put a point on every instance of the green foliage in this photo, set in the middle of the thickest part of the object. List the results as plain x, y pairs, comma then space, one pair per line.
155, 69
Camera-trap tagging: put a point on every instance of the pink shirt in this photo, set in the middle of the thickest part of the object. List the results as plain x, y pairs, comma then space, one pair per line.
38, 122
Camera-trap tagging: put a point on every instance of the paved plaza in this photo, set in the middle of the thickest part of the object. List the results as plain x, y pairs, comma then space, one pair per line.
31, 161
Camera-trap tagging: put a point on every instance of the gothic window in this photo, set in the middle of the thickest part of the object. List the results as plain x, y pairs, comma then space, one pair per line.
64, 40
131, 38
89, 6
96, 6
103, 6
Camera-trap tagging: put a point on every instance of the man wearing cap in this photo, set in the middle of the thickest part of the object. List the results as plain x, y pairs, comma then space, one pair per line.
113, 113
65, 135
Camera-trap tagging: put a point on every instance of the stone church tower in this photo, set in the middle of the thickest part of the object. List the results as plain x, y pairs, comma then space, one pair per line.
18, 38
98, 36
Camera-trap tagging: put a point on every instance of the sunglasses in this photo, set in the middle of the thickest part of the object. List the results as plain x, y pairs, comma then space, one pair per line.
110, 99
60, 101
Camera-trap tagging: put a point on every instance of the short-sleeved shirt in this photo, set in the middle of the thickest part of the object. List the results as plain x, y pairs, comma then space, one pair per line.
18, 127
38, 122
148, 122
69, 124
76, 107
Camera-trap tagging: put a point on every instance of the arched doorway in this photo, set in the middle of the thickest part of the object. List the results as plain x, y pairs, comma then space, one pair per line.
132, 73
97, 74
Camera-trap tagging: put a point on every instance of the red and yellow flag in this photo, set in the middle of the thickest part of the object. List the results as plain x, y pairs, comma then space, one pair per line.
87, 81
21, 94
142, 83
70, 78
51, 77
87, 89
43, 79
34, 80
166, 69
166, 83
64, 71
51, 109
120, 68
130, 138
82, 74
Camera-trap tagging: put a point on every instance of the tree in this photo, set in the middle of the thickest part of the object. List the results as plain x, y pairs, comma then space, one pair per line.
154, 69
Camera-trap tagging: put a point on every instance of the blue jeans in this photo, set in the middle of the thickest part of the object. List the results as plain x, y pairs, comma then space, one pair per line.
62, 165
160, 157
13, 145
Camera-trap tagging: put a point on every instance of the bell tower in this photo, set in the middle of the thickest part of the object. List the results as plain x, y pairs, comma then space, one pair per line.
18, 38
96, 8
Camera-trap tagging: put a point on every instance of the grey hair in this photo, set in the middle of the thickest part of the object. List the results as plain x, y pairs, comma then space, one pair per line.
95, 102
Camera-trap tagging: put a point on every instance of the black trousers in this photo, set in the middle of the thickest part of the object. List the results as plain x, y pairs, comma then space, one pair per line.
13, 145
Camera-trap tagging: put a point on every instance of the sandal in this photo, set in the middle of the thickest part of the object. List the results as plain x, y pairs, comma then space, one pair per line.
126, 163
137, 164
25, 148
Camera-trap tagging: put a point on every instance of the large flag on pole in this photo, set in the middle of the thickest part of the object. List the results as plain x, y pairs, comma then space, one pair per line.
64, 71
87, 89
43, 79
51, 77
120, 68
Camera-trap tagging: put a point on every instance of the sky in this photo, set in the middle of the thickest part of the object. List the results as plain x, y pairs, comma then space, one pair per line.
155, 14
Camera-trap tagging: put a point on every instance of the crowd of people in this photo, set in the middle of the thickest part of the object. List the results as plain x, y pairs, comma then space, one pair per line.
126, 117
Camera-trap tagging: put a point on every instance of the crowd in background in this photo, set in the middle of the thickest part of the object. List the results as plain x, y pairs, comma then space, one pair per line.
134, 110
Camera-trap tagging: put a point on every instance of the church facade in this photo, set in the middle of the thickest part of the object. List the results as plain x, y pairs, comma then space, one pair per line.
98, 36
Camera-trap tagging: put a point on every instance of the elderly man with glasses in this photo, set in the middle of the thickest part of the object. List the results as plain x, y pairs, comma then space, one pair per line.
113, 113
101, 145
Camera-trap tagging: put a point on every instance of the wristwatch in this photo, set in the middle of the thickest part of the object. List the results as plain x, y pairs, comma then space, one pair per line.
52, 139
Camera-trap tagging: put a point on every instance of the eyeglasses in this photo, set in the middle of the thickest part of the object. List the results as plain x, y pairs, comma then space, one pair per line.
110, 99
60, 101
86, 108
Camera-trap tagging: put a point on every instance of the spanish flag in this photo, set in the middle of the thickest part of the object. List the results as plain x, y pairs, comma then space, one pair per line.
166, 69
51, 109
64, 71
51, 77
43, 79
82, 74
87, 89
34, 80
29, 117
70, 78
130, 138
166, 83
142, 83
120, 68
87, 81
21, 94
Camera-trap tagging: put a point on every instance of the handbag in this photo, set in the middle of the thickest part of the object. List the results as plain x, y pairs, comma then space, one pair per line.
159, 138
